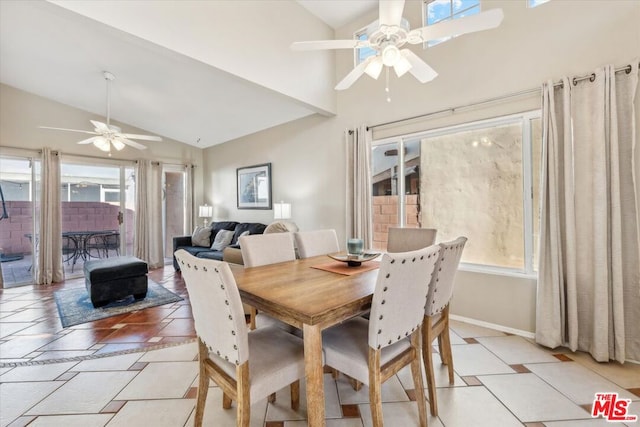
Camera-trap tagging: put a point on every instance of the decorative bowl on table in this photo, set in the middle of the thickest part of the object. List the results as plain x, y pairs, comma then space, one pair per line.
354, 260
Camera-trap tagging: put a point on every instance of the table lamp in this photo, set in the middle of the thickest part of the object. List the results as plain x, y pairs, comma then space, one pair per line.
206, 212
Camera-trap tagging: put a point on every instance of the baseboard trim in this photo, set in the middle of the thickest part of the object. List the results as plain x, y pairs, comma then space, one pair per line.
501, 328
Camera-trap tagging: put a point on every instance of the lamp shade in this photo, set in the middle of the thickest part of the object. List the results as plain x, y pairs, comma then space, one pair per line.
282, 210
205, 211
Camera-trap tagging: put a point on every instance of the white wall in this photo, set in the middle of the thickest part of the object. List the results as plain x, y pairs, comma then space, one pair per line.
531, 46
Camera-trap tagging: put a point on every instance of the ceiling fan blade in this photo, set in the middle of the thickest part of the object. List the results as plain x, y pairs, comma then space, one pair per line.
354, 75
70, 130
142, 137
89, 140
132, 143
329, 44
391, 12
100, 127
455, 27
115, 128
420, 69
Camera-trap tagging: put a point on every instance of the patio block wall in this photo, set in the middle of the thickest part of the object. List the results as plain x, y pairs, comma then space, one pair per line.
385, 215
76, 216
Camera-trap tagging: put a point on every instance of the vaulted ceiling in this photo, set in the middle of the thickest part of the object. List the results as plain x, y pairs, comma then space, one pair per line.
202, 73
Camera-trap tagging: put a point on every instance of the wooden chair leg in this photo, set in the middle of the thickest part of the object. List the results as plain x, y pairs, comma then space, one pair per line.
252, 318
226, 401
375, 385
355, 384
442, 351
295, 395
446, 343
427, 358
203, 383
244, 404
416, 373
335, 374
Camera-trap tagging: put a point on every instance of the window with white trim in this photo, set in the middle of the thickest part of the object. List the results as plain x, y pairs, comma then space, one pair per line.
362, 54
435, 11
534, 3
479, 180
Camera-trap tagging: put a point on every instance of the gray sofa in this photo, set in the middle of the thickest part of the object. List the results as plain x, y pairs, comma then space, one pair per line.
238, 228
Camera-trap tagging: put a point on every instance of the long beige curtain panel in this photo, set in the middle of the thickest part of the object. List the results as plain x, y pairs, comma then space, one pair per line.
358, 191
49, 268
589, 275
148, 243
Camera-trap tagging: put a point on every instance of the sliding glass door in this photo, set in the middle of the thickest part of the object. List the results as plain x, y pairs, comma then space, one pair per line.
18, 176
97, 212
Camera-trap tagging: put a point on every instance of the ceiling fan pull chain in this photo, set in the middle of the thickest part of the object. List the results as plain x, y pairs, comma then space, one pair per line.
386, 89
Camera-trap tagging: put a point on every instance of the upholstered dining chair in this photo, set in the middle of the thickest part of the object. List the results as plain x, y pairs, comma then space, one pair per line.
410, 239
247, 366
373, 351
264, 249
436, 315
316, 242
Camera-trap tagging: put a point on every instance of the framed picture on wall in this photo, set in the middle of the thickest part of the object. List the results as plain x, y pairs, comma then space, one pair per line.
254, 187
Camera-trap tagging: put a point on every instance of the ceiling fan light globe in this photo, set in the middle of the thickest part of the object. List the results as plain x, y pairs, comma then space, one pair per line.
401, 66
374, 68
118, 145
390, 55
102, 144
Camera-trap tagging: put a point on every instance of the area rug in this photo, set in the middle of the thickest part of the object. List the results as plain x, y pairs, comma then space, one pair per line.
74, 305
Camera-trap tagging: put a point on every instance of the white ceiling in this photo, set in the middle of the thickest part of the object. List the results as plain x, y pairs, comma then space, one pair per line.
58, 54
337, 13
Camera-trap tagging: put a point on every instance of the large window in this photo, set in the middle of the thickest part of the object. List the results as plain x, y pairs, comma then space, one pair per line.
479, 180
445, 10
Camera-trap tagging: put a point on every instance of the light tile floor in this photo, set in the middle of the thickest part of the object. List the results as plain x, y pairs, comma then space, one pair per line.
501, 380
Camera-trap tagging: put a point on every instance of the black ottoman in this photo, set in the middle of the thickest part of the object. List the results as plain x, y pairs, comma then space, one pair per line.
111, 279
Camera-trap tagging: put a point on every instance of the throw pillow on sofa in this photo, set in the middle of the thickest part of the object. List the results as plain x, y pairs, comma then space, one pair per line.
201, 236
222, 240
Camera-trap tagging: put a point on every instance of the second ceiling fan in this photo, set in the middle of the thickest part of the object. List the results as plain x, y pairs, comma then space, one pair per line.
391, 32
107, 135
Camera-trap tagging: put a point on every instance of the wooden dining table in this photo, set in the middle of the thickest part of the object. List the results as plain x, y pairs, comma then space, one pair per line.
311, 299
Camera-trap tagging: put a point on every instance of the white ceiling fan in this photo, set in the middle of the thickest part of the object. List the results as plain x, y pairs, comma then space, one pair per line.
106, 134
391, 31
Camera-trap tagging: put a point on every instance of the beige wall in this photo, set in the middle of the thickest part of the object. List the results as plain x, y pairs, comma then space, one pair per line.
531, 46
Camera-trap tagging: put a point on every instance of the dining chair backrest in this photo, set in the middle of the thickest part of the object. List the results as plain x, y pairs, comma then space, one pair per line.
410, 239
316, 242
441, 286
397, 308
216, 306
263, 249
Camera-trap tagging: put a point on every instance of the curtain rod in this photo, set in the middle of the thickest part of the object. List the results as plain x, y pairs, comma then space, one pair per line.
627, 69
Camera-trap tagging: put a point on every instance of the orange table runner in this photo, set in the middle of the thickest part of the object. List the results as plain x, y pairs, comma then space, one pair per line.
344, 269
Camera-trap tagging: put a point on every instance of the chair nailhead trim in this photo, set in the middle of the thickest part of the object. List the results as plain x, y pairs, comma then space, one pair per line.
392, 261
404, 260
388, 274
380, 318
413, 260
204, 269
379, 331
383, 301
233, 333
195, 267
384, 289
